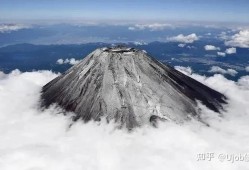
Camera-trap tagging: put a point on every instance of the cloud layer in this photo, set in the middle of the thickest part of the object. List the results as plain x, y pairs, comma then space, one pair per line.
216, 69
184, 39
241, 39
5, 28
228, 51
36, 139
151, 27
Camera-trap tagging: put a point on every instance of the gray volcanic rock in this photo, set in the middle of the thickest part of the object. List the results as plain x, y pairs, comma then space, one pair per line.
129, 87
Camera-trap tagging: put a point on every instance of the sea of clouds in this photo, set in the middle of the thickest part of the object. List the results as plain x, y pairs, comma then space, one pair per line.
35, 139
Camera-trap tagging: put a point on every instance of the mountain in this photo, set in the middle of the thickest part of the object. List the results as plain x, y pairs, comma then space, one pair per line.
129, 87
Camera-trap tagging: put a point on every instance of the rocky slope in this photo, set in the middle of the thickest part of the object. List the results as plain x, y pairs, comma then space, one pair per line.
129, 87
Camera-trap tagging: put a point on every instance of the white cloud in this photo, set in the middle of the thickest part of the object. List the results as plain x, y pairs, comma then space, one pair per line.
139, 43
223, 35
247, 68
221, 54
60, 61
2, 75
36, 139
211, 48
240, 39
132, 28
216, 69
151, 27
191, 47
181, 45
184, 39
71, 61
6, 28
231, 50
184, 70
244, 82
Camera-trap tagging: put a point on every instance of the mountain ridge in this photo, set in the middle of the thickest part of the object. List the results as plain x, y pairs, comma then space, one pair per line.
130, 87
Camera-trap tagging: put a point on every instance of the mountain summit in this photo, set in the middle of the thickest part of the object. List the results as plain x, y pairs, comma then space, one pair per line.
129, 87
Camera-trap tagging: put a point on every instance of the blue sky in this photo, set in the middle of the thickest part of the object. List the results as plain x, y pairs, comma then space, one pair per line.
123, 10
